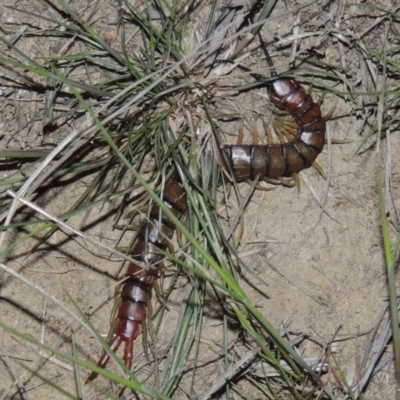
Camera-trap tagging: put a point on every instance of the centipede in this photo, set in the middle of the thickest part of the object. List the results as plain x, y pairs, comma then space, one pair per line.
153, 235
247, 162
275, 161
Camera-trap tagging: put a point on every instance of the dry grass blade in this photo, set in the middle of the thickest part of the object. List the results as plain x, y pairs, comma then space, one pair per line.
18, 379
101, 107
229, 375
74, 231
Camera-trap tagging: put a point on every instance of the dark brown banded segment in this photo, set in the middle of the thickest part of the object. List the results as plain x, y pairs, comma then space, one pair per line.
307, 152
252, 161
294, 160
258, 166
136, 291
174, 194
275, 160
314, 139
283, 160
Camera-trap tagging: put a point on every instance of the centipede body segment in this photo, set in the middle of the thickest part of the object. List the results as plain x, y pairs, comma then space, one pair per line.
136, 291
285, 159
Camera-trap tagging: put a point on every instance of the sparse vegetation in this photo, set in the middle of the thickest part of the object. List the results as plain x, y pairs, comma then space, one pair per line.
101, 103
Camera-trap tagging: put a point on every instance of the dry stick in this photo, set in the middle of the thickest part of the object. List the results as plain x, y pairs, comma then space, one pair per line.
329, 173
18, 276
42, 331
53, 359
263, 369
324, 273
260, 369
295, 37
321, 201
62, 224
317, 298
43, 354
310, 187
374, 350
17, 380
45, 294
233, 370
239, 214
24, 188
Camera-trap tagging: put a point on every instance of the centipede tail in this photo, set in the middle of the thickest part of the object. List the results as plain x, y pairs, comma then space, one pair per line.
154, 234
285, 159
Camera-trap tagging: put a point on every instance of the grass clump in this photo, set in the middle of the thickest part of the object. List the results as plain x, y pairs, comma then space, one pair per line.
124, 109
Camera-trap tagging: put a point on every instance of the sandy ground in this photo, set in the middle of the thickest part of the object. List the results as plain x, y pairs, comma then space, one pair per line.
319, 250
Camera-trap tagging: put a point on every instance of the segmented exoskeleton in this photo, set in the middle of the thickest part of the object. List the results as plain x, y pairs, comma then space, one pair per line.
136, 291
284, 159
247, 162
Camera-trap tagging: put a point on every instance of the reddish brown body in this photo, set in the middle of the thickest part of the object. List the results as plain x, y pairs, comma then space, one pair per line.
137, 289
283, 160
248, 162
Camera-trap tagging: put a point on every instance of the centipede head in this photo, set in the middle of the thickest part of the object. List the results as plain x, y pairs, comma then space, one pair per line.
280, 89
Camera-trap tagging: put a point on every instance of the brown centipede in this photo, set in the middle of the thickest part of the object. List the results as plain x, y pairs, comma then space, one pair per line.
136, 291
247, 162
285, 159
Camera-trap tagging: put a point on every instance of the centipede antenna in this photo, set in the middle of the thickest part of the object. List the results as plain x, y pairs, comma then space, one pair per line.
257, 77
267, 57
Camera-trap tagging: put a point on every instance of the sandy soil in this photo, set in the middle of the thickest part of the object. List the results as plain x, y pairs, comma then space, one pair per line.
319, 250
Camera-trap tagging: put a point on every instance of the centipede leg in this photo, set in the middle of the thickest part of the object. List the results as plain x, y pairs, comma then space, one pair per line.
319, 103
330, 112
327, 116
286, 126
321, 99
267, 131
261, 187
240, 136
291, 182
278, 111
280, 181
254, 134
296, 179
339, 141
319, 169
105, 358
159, 296
128, 354
147, 328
